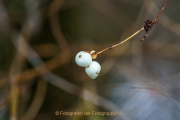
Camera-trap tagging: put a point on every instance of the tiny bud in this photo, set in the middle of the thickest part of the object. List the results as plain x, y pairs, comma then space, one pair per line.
93, 54
93, 69
110, 47
83, 59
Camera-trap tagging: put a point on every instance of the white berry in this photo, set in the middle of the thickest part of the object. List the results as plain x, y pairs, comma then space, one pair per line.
93, 69
83, 59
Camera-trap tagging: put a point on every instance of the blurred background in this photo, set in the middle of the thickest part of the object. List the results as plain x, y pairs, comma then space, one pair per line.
39, 77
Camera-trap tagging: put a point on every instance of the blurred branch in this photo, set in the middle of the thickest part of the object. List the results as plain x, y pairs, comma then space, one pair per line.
69, 4
4, 19
37, 101
46, 50
64, 56
56, 28
65, 85
16, 67
55, 62
5, 100
61, 58
108, 9
32, 73
18, 62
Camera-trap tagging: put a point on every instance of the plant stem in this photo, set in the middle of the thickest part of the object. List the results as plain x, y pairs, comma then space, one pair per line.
161, 10
110, 47
154, 21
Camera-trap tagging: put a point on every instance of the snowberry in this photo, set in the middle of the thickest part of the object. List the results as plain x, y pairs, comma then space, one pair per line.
93, 69
83, 59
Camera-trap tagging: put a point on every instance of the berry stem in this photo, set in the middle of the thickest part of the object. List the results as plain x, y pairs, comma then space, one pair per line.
153, 22
110, 47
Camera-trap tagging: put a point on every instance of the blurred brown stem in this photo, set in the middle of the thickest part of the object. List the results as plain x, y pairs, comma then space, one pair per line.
37, 101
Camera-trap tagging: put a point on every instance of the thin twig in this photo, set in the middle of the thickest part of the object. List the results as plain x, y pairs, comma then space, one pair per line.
161, 10
110, 47
146, 34
166, 22
155, 20
37, 101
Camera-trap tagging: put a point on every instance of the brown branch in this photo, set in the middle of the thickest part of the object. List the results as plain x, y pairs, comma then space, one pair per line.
146, 34
165, 2
60, 59
154, 21
37, 101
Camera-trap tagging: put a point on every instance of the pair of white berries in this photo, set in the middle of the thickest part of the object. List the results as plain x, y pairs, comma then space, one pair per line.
84, 59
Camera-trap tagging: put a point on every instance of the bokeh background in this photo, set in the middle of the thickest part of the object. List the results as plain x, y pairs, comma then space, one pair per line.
38, 74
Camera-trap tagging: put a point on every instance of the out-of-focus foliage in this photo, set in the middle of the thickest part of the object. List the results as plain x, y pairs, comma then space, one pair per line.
38, 74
